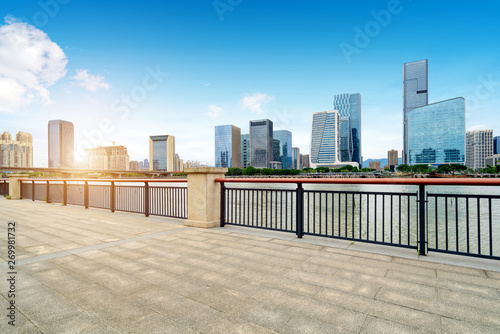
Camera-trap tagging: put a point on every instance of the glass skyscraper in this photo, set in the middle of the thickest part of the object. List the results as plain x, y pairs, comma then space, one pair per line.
227, 146
245, 150
162, 153
295, 158
496, 143
285, 148
414, 95
261, 143
436, 133
325, 138
349, 108
61, 144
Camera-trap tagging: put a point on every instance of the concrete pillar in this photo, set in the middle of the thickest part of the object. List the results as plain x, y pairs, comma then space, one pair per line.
15, 185
204, 196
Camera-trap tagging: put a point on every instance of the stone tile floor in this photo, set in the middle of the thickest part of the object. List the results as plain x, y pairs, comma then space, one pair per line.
93, 271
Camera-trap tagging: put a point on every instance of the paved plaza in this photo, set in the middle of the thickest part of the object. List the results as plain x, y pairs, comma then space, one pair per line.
92, 271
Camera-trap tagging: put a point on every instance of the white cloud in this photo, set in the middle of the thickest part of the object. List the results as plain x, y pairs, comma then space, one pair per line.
214, 111
29, 64
255, 101
90, 81
479, 127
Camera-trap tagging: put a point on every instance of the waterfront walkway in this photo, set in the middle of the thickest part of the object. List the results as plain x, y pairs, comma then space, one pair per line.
93, 271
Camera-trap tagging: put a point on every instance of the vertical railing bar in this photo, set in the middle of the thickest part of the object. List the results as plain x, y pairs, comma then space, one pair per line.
368, 217
383, 218
491, 226
421, 215
456, 224
360, 214
467, 223
392, 217
345, 214
375, 223
408, 219
352, 214
399, 241
446, 219
478, 227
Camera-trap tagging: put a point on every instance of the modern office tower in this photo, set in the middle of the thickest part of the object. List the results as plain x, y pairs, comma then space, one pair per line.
296, 158
374, 165
276, 150
61, 144
496, 143
261, 143
284, 138
16, 153
178, 163
436, 133
325, 138
304, 161
162, 153
414, 95
479, 145
227, 146
349, 108
392, 158
134, 165
245, 150
146, 164
108, 158
493, 160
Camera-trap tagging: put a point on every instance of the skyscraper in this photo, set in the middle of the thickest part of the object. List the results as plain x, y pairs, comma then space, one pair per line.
295, 158
227, 146
414, 95
61, 144
245, 150
349, 108
392, 158
16, 153
436, 133
325, 138
479, 145
162, 153
496, 145
285, 147
261, 143
110, 157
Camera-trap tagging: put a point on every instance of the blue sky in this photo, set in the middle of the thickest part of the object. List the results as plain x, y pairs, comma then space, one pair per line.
231, 61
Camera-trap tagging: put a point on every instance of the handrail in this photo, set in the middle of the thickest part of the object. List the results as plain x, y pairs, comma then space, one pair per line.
394, 181
105, 180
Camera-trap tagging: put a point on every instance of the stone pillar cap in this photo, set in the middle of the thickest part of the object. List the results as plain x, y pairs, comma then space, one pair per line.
205, 170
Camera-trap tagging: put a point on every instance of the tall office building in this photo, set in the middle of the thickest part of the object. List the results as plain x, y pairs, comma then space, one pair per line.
276, 151
284, 138
479, 145
349, 108
178, 163
325, 138
245, 150
227, 146
16, 153
304, 161
414, 95
162, 153
110, 157
496, 143
134, 165
261, 143
295, 158
436, 133
392, 158
61, 144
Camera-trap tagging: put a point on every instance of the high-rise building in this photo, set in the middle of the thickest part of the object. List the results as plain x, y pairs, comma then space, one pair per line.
374, 165
261, 143
61, 144
496, 145
304, 161
245, 150
392, 158
284, 138
178, 163
107, 158
479, 145
16, 153
325, 138
349, 108
276, 151
134, 165
227, 146
296, 158
146, 164
162, 153
414, 95
436, 133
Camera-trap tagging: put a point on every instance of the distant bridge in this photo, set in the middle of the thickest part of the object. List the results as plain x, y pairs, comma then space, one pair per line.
68, 172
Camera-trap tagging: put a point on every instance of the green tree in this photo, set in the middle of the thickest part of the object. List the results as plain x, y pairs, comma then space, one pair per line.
308, 170
234, 171
250, 170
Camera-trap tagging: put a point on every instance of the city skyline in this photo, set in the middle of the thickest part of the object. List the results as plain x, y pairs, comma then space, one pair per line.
289, 65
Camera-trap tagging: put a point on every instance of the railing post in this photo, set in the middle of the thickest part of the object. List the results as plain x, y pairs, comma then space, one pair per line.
65, 193
222, 204
32, 190
86, 195
146, 199
300, 211
48, 193
422, 249
112, 197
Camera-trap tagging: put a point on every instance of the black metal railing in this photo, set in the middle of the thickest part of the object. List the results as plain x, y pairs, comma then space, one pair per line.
152, 198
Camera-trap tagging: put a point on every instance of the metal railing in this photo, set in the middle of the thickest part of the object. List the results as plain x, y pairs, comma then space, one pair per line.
151, 198
465, 224
4, 187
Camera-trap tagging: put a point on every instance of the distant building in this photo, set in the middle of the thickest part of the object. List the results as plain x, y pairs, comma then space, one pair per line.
325, 138
415, 82
436, 133
193, 164
245, 150
108, 158
304, 161
61, 144
392, 158
496, 145
227, 146
276, 150
261, 143
295, 158
178, 163
479, 145
146, 164
374, 165
275, 165
162, 153
134, 165
284, 138
493, 160
349, 108
16, 153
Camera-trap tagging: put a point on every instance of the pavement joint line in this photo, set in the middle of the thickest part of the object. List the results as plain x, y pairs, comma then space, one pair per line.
56, 255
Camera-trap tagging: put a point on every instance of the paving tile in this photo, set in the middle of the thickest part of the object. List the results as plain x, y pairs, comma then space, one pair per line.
374, 325
304, 325
488, 282
458, 326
